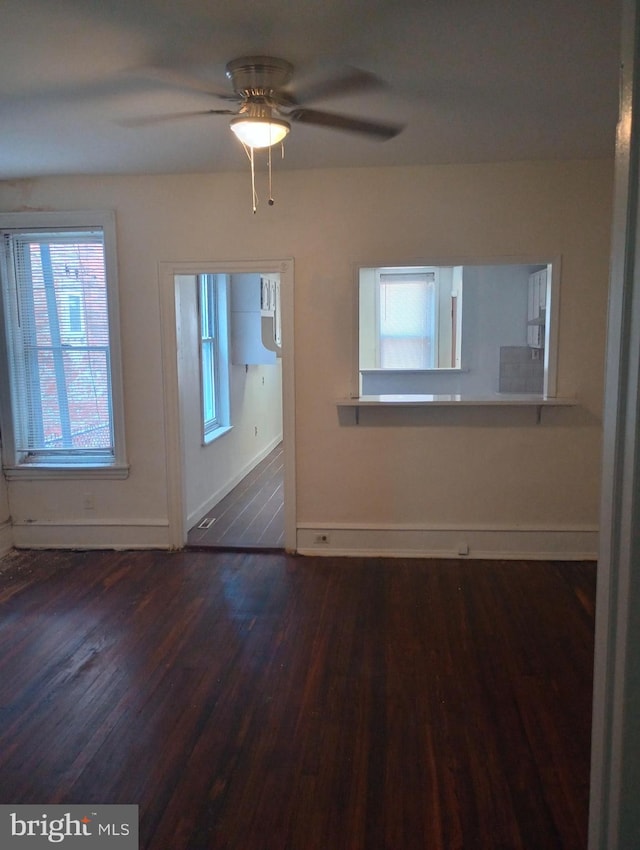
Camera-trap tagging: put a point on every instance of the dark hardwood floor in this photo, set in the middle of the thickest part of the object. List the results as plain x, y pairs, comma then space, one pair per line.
251, 516
268, 702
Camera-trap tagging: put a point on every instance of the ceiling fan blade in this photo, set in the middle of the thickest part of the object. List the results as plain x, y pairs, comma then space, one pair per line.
348, 81
181, 80
150, 120
114, 85
375, 129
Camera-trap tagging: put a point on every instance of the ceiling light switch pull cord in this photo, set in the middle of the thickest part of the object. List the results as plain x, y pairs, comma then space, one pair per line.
254, 196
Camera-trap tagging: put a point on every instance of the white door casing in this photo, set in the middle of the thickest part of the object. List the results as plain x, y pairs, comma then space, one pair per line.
167, 273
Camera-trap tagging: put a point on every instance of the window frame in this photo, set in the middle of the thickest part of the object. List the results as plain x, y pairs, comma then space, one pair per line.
73, 466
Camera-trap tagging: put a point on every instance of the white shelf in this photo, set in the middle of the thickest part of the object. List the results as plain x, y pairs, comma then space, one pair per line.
432, 400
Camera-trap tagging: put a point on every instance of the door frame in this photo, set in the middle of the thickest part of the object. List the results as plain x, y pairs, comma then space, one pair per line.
614, 819
167, 273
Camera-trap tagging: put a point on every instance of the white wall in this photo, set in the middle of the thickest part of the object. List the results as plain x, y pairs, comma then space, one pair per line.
464, 470
494, 314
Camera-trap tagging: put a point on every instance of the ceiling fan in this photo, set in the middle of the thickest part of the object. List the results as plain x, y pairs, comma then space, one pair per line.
268, 105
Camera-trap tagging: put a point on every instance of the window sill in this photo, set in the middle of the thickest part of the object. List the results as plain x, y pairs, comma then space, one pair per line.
444, 370
215, 435
44, 472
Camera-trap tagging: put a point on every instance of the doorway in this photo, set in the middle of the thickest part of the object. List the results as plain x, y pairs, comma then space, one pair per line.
182, 393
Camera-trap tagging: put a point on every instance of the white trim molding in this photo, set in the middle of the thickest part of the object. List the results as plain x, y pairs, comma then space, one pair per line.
117, 533
111, 466
614, 814
167, 273
567, 543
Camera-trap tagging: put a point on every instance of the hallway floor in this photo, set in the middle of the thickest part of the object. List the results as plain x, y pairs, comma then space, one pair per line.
251, 516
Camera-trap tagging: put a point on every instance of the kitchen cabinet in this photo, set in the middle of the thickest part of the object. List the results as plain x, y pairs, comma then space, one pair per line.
255, 319
537, 308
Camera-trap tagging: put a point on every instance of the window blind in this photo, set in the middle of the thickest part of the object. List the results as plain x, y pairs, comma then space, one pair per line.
407, 320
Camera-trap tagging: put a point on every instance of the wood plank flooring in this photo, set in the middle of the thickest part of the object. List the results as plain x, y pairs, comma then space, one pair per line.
251, 516
268, 702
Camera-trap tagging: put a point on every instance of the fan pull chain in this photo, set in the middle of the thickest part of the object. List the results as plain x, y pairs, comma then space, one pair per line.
254, 194
271, 201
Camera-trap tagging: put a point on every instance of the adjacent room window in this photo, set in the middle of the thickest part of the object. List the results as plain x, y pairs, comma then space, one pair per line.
407, 320
212, 301
410, 318
62, 400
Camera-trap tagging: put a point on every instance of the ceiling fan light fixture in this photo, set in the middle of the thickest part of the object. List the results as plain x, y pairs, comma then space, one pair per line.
257, 132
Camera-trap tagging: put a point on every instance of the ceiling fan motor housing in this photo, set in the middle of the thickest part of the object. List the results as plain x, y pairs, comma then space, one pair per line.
258, 75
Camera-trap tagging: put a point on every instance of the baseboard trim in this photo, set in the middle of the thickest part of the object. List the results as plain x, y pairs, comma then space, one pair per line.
92, 534
475, 542
570, 543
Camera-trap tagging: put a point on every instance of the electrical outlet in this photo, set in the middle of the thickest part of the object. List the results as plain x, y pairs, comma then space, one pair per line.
87, 502
255, 430
322, 539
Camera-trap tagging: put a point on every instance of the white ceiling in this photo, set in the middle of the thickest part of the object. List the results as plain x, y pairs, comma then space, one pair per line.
474, 80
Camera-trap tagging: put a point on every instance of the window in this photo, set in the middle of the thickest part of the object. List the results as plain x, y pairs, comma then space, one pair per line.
410, 318
60, 355
212, 308
407, 320
209, 354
